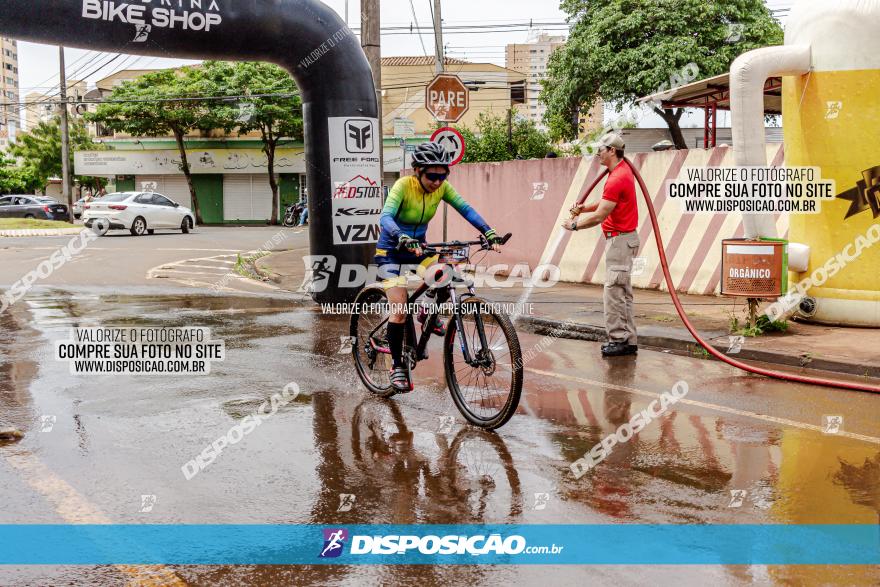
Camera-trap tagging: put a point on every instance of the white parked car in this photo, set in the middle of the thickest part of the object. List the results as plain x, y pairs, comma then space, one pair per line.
139, 212
78, 207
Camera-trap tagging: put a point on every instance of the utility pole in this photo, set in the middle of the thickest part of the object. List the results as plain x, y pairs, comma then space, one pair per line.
66, 192
346, 12
372, 45
439, 67
438, 40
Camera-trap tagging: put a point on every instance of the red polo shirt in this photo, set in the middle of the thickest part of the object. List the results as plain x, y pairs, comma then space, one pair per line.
620, 188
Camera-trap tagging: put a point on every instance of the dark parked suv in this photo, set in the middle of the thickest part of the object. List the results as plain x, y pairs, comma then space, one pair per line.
32, 207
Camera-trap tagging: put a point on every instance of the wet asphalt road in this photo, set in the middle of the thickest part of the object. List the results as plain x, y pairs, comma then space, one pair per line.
114, 439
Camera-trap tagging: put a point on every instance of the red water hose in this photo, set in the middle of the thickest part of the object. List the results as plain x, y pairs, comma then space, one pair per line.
664, 264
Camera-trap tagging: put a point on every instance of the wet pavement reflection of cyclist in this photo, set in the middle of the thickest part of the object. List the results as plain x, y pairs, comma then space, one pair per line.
470, 480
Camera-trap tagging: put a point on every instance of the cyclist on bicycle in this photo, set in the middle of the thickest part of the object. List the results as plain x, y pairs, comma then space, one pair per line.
411, 204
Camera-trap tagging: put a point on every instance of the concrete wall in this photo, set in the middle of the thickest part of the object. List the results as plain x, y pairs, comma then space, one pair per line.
509, 196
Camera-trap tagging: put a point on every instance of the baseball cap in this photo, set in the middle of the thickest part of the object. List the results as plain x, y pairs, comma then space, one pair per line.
613, 140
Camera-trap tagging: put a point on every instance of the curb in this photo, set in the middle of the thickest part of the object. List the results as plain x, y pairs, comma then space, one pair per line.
41, 232
249, 266
652, 337
265, 273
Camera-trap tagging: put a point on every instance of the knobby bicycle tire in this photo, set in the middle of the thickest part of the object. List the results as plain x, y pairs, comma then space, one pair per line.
509, 407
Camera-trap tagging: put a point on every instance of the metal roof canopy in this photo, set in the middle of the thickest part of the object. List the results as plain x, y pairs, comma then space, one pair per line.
712, 94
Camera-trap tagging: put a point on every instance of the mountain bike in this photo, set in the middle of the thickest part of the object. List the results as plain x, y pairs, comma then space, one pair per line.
481, 351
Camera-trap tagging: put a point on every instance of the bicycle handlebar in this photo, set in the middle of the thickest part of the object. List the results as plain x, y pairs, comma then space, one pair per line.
483, 242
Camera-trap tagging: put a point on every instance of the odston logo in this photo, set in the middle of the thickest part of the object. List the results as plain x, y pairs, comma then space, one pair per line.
334, 541
357, 187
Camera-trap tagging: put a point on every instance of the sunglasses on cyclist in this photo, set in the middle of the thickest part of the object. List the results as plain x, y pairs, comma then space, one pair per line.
436, 176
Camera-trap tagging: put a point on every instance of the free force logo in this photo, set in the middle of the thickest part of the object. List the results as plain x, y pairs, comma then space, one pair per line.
359, 135
334, 541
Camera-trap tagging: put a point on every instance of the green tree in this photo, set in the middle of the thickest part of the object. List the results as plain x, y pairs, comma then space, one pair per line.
502, 138
621, 50
40, 151
159, 104
17, 179
271, 106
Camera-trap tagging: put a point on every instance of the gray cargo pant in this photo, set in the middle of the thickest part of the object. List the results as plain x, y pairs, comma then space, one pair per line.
620, 322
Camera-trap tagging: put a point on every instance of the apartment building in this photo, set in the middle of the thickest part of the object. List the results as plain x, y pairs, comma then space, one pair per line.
9, 91
44, 107
531, 59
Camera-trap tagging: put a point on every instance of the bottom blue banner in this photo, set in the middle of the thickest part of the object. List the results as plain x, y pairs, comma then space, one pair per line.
439, 544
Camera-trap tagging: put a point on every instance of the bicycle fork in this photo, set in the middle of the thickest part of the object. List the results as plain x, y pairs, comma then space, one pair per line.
459, 322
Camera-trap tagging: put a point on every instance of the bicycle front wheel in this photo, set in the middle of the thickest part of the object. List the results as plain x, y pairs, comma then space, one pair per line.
486, 389
369, 339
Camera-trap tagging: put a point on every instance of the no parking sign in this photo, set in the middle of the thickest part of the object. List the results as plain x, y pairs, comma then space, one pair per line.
452, 141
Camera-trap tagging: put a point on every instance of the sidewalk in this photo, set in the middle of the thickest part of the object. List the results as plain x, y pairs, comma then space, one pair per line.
575, 311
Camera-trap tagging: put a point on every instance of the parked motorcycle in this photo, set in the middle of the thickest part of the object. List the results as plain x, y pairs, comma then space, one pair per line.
292, 214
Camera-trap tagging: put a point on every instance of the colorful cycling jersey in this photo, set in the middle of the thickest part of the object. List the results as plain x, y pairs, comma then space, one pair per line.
409, 209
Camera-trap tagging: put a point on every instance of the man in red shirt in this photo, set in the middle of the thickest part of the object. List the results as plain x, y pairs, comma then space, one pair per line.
618, 213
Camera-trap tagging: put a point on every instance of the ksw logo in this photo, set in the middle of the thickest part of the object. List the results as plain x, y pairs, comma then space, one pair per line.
358, 212
359, 135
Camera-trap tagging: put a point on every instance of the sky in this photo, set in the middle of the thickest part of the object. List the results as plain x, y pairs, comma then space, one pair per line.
38, 64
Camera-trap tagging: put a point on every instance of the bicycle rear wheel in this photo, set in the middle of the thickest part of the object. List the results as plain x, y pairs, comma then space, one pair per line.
368, 333
487, 391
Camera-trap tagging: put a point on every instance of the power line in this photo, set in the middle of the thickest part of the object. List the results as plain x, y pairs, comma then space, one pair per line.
150, 100
108, 57
452, 26
50, 78
418, 28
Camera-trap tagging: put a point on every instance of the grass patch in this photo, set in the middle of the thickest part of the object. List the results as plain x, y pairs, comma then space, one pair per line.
663, 318
699, 352
31, 223
762, 326
245, 266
